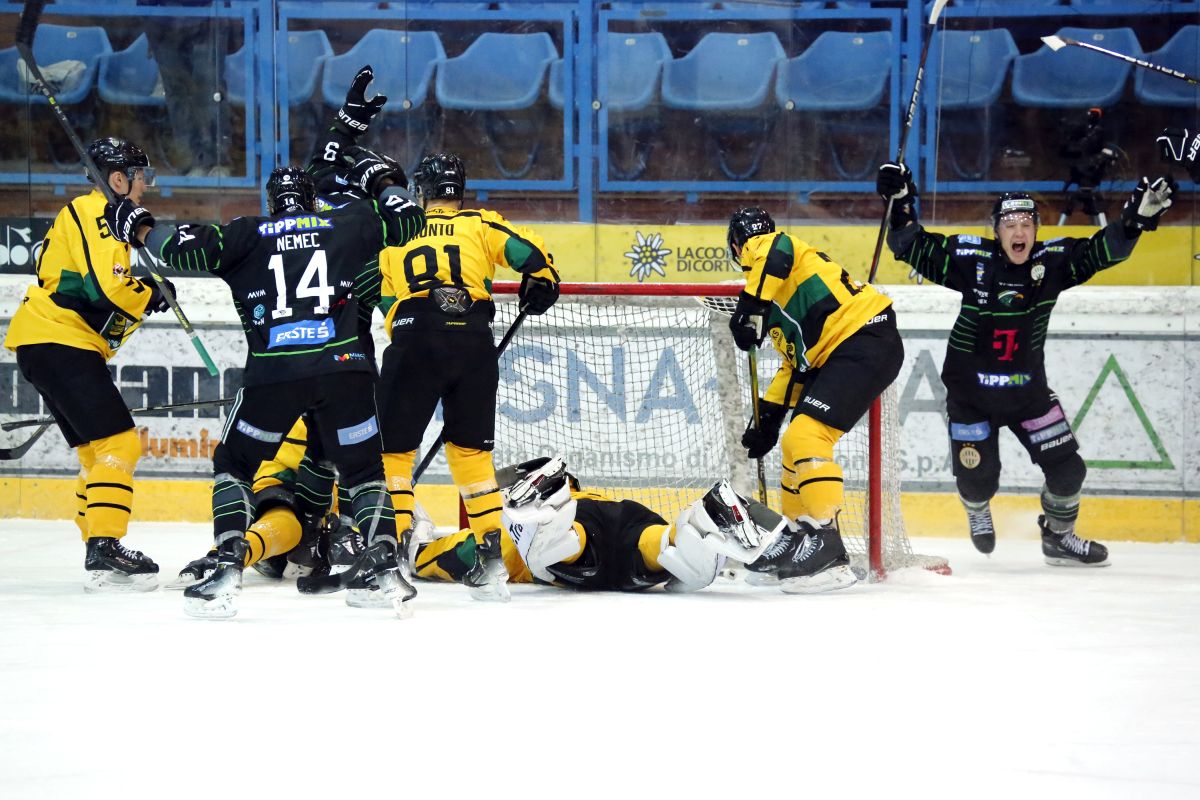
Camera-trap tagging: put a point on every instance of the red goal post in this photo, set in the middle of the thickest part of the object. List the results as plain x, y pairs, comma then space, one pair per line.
601, 341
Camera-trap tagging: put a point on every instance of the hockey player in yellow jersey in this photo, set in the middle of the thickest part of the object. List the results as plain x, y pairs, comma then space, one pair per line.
557, 533
84, 306
438, 303
840, 350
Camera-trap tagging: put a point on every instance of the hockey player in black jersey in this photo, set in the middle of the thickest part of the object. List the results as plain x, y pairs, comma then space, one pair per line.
297, 277
995, 372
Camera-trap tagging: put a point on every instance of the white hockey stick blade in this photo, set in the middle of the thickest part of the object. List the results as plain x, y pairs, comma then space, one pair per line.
936, 11
1054, 42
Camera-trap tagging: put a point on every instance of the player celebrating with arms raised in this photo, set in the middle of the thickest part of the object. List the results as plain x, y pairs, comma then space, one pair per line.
840, 350
995, 370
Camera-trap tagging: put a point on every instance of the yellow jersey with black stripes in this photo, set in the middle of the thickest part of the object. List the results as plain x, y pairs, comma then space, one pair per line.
460, 248
85, 296
814, 303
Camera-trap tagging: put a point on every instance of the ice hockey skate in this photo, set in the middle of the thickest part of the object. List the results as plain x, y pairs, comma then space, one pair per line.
195, 571
377, 580
112, 567
487, 579
1068, 550
983, 532
809, 560
216, 597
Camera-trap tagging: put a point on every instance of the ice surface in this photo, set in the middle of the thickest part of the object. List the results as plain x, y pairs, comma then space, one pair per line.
1009, 676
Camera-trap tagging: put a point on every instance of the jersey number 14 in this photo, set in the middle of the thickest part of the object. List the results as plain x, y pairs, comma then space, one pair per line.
314, 282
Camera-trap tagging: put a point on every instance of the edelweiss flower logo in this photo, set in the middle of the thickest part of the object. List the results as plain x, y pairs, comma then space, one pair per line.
648, 255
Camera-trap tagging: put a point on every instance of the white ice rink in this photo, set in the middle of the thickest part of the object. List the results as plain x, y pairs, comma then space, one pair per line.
1009, 679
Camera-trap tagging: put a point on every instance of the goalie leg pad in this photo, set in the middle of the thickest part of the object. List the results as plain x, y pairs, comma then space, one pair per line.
735, 527
691, 560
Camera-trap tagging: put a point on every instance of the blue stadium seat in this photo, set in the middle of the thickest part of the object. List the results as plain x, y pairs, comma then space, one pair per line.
652, 8
53, 44
558, 97
404, 64
843, 75
727, 78
515, 66
629, 90
1074, 77
1181, 52
130, 77
307, 52
964, 78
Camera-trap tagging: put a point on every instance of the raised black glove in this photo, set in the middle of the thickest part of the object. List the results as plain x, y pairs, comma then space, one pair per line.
371, 172
158, 301
747, 322
123, 220
760, 440
537, 294
894, 182
1147, 204
355, 115
1181, 146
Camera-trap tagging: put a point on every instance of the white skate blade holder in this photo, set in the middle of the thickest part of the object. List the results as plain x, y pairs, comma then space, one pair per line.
828, 580
110, 581
223, 607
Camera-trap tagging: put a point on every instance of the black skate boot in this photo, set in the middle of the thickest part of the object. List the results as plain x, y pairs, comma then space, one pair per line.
309, 556
195, 571
983, 533
272, 568
487, 579
216, 597
346, 543
1068, 550
764, 570
808, 560
378, 581
112, 567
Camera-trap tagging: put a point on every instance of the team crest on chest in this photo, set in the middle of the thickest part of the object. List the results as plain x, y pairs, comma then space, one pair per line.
1038, 272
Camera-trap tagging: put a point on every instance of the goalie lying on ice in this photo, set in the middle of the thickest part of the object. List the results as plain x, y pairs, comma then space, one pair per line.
557, 533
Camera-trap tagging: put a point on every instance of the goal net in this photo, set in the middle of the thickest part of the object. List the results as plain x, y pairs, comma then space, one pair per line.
643, 393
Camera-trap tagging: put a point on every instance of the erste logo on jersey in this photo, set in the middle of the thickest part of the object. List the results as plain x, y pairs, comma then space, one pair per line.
284, 225
304, 332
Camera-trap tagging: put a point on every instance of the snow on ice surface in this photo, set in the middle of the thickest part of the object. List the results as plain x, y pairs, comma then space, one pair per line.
1009, 676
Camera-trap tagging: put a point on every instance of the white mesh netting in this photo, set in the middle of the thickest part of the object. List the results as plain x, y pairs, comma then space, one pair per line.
646, 398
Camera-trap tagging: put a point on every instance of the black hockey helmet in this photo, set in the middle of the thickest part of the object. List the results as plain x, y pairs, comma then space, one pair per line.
111, 154
1014, 203
290, 190
440, 176
745, 224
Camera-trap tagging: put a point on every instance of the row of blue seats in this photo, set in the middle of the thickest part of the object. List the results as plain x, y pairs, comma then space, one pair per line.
724, 72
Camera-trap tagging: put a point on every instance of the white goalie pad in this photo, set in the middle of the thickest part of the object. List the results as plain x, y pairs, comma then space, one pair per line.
738, 528
691, 560
543, 530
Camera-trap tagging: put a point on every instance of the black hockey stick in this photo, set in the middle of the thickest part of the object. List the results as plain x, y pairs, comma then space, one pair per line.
930, 27
25, 31
762, 479
1057, 43
13, 453
224, 401
441, 439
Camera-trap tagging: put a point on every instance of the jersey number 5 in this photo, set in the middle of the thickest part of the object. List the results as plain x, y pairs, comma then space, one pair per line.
314, 282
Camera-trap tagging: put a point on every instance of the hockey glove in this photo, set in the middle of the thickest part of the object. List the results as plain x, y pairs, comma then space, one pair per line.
371, 172
158, 301
1180, 146
1147, 204
124, 219
746, 324
894, 182
760, 440
355, 115
537, 294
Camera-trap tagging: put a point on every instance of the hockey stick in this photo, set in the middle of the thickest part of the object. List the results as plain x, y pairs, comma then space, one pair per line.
224, 401
13, 453
441, 439
1057, 43
752, 355
25, 31
934, 13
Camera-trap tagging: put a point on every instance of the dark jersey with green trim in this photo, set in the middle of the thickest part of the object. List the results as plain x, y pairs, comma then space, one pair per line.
996, 351
299, 282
